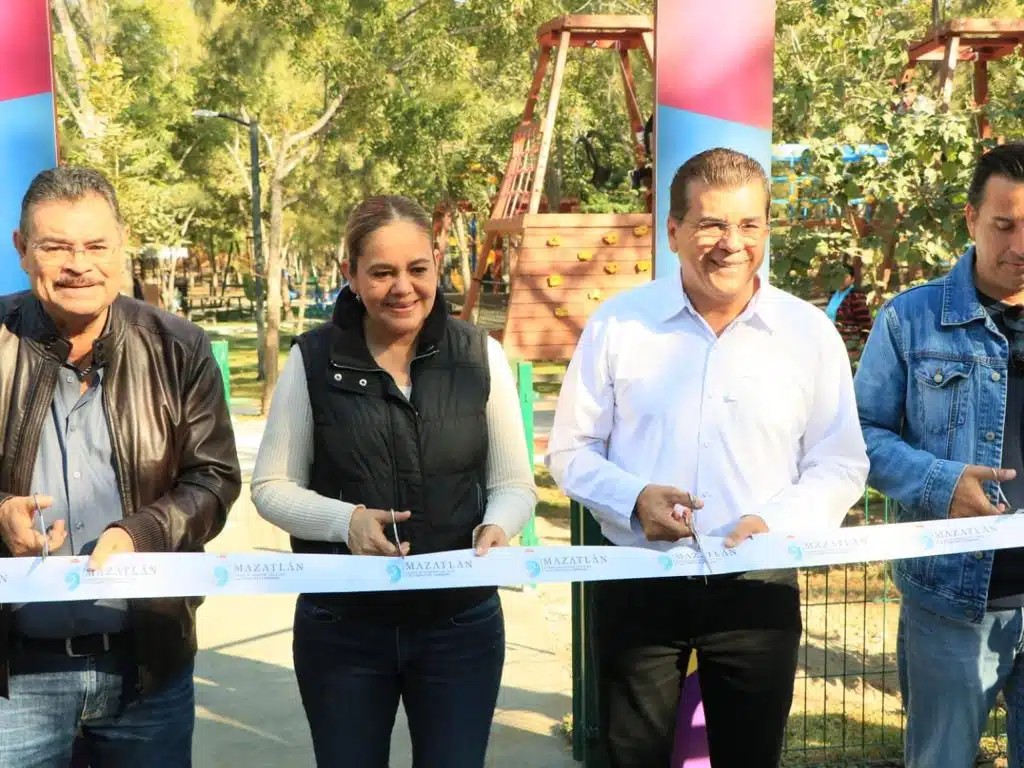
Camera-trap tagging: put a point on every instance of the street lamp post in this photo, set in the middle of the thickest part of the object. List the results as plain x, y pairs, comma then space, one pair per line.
254, 161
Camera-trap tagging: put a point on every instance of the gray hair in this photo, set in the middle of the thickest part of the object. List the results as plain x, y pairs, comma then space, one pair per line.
70, 184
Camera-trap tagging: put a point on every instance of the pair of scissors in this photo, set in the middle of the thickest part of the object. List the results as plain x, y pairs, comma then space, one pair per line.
394, 529
42, 527
682, 513
1002, 497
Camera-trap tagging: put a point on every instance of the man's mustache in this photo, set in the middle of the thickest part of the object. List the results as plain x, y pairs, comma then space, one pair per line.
79, 282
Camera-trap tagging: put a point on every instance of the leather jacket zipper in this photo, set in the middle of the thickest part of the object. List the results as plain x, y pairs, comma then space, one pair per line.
29, 438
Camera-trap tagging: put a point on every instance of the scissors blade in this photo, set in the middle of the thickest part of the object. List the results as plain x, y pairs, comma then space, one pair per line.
703, 554
42, 527
394, 529
1006, 501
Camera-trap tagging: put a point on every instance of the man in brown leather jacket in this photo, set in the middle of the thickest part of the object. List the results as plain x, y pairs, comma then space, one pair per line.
113, 418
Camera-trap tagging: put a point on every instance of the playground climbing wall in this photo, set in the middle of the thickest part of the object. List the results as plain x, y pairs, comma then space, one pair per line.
565, 265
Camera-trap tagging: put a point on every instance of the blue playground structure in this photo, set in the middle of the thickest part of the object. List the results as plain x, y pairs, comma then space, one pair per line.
794, 158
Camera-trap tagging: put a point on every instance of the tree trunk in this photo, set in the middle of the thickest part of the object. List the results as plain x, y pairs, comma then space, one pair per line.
167, 292
300, 324
273, 276
288, 260
460, 236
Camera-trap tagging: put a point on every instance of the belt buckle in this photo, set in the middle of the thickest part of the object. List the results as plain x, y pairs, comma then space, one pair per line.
69, 647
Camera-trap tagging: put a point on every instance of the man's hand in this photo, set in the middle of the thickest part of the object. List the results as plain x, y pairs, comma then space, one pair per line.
969, 497
20, 531
748, 526
366, 532
490, 536
656, 511
112, 541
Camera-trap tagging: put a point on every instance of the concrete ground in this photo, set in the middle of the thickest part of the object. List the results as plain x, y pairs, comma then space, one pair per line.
247, 702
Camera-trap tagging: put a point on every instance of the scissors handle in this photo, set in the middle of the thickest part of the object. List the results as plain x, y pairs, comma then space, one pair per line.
394, 529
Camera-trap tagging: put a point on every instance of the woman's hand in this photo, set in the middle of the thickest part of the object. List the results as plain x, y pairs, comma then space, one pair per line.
490, 536
369, 529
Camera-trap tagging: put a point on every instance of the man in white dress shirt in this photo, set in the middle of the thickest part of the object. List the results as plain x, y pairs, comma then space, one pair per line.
714, 391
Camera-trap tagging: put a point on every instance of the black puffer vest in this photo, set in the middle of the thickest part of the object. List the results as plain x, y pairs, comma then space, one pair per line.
372, 446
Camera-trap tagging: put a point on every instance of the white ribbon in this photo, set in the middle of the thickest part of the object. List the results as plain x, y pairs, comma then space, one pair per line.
27, 580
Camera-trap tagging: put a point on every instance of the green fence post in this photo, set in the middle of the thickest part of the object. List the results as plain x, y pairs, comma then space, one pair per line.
524, 377
584, 530
220, 354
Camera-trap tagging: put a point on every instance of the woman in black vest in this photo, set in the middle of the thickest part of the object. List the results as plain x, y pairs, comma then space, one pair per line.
395, 405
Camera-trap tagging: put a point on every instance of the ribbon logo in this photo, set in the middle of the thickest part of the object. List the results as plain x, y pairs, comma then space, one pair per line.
221, 575
927, 541
665, 562
394, 573
533, 568
796, 552
73, 579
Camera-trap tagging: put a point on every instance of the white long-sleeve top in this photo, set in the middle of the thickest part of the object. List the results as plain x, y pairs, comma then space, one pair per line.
280, 480
760, 420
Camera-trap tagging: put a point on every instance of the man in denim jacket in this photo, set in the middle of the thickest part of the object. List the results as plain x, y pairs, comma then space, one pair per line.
940, 392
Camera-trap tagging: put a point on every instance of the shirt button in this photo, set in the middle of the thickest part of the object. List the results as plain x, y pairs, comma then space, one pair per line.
990, 436
996, 376
77, 475
79, 526
937, 378
979, 555
70, 379
707, 444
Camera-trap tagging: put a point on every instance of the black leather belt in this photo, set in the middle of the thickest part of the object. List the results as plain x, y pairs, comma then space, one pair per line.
74, 647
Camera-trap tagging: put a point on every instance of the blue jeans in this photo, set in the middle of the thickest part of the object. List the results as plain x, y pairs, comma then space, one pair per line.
53, 696
950, 673
352, 673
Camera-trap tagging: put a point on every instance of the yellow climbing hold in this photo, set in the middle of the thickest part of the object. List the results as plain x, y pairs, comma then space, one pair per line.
561, 312
643, 266
554, 280
612, 238
611, 269
641, 230
585, 255
554, 241
594, 294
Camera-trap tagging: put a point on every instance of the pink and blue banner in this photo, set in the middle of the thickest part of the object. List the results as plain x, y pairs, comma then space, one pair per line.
712, 91
714, 75
28, 134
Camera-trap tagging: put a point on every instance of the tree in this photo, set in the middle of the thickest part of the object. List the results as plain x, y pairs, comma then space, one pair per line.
837, 63
122, 71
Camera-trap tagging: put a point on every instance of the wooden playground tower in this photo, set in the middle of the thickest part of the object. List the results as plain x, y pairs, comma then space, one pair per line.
975, 40
562, 265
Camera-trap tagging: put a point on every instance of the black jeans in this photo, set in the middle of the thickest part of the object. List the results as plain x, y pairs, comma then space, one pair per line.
351, 674
746, 634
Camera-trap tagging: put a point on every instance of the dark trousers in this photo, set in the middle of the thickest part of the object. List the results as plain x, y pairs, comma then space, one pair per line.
746, 634
352, 673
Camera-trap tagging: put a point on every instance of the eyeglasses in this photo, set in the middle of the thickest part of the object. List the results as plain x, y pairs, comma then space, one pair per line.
60, 253
714, 231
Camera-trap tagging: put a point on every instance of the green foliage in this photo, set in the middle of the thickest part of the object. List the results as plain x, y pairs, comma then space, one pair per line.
837, 63
433, 91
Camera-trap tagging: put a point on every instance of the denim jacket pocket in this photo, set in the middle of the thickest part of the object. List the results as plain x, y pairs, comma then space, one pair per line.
942, 387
